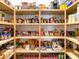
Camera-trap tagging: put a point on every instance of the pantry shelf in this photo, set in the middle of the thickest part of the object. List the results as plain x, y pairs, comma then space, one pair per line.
76, 52
56, 37
45, 24
31, 37
21, 50
7, 54
51, 11
5, 41
72, 8
51, 51
59, 50
72, 55
10, 56
6, 8
27, 11
62, 51
35, 24
6, 23
75, 23
74, 40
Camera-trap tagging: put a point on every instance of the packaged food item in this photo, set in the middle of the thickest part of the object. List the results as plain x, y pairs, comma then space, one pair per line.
52, 20
63, 6
6, 33
55, 4
72, 18
20, 20
18, 7
42, 6
68, 2
25, 5
2, 15
74, 1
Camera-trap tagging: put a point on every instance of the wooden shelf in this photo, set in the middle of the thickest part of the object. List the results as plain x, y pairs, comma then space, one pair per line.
27, 11
28, 37
36, 11
32, 24
45, 24
37, 37
21, 50
75, 23
5, 41
56, 37
10, 56
76, 52
6, 23
53, 51
72, 55
6, 8
74, 40
72, 8
52, 11
4, 53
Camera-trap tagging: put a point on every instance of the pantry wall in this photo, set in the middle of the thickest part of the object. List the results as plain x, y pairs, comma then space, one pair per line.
37, 34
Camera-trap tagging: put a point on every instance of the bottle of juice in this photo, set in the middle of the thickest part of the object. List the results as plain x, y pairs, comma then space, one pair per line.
61, 56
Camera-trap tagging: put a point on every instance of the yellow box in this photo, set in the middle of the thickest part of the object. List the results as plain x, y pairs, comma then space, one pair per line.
63, 6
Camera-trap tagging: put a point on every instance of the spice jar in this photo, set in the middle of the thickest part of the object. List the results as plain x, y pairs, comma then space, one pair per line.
19, 20
42, 6
46, 33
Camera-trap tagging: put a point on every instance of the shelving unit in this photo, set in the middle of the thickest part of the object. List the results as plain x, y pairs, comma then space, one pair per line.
39, 12
7, 9
73, 54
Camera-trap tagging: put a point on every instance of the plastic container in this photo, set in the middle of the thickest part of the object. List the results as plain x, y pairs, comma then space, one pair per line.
77, 17
77, 8
72, 18
24, 5
18, 7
